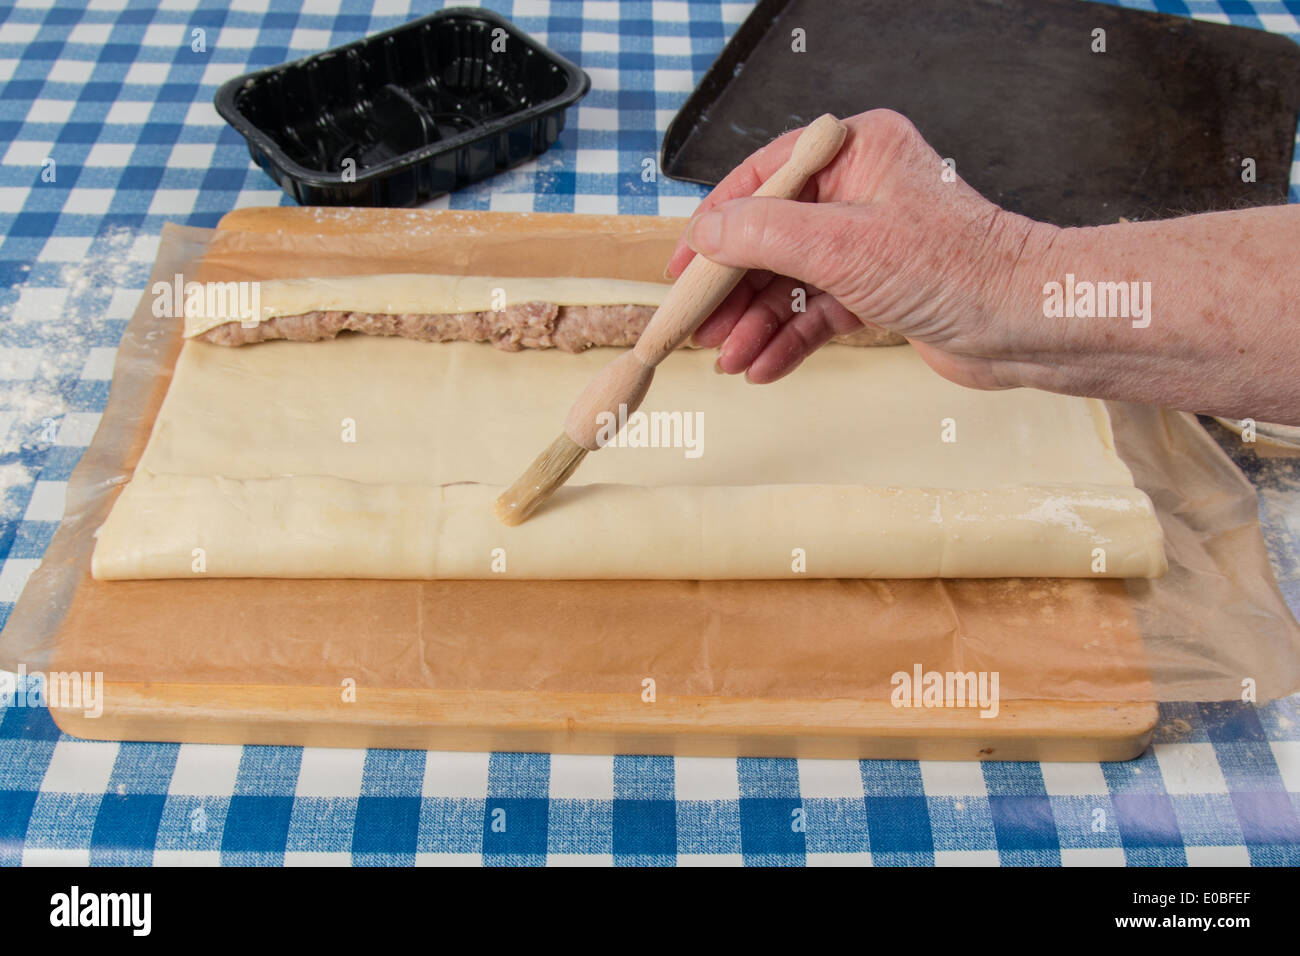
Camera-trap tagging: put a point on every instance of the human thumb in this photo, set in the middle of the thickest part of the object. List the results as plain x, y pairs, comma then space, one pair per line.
807, 241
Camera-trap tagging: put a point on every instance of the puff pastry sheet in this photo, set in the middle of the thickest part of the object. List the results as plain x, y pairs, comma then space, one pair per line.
381, 457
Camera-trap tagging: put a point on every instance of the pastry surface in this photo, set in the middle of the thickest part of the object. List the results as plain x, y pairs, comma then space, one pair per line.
381, 457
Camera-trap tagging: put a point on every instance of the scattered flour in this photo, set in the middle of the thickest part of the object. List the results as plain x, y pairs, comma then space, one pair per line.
57, 324
1060, 511
12, 475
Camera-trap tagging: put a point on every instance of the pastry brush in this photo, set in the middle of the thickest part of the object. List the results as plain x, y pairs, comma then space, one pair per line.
699, 290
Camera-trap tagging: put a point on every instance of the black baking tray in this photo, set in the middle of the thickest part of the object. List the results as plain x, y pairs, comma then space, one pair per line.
1156, 126
420, 110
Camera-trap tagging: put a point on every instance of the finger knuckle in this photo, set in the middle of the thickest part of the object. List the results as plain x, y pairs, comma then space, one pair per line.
750, 226
889, 123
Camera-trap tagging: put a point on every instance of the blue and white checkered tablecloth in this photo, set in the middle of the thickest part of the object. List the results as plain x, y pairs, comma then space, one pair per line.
112, 97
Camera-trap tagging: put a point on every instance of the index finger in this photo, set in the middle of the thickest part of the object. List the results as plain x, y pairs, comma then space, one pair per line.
742, 181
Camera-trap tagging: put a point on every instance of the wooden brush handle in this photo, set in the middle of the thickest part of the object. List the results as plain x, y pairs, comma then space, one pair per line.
703, 284
699, 290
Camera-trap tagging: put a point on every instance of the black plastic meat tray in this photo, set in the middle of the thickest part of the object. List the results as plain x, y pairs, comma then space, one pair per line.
402, 116
1158, 125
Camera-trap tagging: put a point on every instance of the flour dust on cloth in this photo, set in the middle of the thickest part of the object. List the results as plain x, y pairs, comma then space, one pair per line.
381, 458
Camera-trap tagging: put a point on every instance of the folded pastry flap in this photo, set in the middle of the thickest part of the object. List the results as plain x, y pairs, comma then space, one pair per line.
281, 243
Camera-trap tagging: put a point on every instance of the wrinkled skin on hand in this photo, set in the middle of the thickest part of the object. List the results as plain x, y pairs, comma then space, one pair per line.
885, 236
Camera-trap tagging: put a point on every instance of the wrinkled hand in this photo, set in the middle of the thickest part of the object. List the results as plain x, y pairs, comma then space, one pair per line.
879, 238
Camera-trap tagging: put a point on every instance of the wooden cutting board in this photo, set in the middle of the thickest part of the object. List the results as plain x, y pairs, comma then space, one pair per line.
609, 724
747, 668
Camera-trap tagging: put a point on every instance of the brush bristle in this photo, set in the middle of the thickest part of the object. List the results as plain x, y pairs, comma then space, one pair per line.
548, 472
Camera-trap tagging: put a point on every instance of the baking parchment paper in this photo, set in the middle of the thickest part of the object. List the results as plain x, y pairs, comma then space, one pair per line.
1214, 621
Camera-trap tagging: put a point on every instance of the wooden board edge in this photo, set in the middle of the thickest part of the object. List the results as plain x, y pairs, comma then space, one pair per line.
518, 721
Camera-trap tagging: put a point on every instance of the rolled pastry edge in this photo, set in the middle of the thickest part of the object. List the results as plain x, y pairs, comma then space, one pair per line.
177, 526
